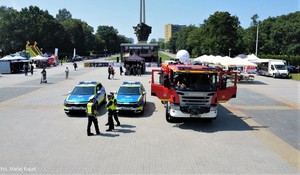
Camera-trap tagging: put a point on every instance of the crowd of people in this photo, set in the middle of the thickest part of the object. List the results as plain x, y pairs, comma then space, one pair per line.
134, 69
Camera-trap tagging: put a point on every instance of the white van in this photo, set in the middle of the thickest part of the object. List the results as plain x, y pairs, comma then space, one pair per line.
272, 67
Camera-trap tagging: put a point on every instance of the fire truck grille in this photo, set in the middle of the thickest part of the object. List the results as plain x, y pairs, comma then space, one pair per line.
194, 110
195, 100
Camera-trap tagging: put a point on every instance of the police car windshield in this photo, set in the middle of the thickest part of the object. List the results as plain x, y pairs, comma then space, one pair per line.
129, 91
83, 90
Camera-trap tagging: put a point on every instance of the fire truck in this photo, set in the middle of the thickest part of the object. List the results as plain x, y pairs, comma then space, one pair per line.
192, 91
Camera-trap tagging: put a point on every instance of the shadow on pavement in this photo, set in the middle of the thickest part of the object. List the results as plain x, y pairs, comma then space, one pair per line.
149, 109
226, 121
254, 82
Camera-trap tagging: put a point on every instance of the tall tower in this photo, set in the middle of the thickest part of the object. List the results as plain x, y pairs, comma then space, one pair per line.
142, 30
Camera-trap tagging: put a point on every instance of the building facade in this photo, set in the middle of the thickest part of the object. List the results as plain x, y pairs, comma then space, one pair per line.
171, 29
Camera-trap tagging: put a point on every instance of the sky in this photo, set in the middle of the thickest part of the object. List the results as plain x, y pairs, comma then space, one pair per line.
124, 14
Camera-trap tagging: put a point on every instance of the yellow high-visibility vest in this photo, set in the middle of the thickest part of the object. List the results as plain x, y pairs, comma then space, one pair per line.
89, 108
112, 106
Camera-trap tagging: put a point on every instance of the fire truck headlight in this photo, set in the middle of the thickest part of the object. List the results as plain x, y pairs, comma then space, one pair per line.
213, 108
175, 107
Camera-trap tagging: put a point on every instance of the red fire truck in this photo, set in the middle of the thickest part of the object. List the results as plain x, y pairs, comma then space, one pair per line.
192, 91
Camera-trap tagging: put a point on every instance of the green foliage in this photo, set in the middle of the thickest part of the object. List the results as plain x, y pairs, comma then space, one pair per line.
219, 33
295, 77
163, 56
291, 60
63, 14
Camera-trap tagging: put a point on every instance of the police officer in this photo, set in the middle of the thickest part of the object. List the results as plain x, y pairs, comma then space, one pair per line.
114, 110
91, 110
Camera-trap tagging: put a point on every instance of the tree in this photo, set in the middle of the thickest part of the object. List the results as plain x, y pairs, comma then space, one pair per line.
254, 20
8, 23
153, 40
63, 14
171, 45
80, 35
195, 41
30, 24
182, 37
221, 31
107, 38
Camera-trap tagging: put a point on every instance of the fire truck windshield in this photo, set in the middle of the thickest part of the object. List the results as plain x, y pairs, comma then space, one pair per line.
195, 81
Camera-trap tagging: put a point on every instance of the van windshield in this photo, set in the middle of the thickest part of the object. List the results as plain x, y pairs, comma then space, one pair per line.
280, 67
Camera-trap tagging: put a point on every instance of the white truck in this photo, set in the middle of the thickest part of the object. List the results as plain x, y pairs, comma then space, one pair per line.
272, 67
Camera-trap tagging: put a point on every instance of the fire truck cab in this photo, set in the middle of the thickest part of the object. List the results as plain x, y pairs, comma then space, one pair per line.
192, 91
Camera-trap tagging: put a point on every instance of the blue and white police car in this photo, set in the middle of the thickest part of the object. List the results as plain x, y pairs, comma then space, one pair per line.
131, 96
79, 96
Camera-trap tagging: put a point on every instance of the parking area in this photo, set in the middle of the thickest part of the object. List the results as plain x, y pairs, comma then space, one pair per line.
37, 137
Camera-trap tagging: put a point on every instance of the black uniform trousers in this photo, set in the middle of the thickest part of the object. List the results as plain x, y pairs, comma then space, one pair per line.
92, 119
115, 116
110, 120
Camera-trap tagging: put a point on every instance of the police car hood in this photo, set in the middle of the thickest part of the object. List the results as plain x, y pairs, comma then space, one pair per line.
78, 98
127, 98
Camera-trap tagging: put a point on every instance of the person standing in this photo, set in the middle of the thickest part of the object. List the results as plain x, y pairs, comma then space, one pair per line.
112, 112
113, 101
67, 72
91, 111
31, 68
121, 70
139, 69
26, 68
109, 71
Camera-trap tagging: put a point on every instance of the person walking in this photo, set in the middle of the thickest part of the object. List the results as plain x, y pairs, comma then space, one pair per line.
44, 76
67, 72
109, 72
112, 72
114, 112
91, 111
121, 70
75, 65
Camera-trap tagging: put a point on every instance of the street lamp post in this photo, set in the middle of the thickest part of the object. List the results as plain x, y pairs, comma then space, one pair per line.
105, 50
256, 47
229, 52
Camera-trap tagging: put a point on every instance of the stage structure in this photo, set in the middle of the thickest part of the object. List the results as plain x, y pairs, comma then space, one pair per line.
147, 51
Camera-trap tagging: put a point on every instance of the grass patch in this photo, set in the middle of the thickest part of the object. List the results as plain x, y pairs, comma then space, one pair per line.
295, 76
114, 58
163, 56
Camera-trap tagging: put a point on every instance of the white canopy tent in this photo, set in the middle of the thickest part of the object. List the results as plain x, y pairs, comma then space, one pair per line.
224, 61
39, 58
12, 64
13, 58
251, 58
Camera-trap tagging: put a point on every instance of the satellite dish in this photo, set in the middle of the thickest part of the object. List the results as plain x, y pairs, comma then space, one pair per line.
183, 56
